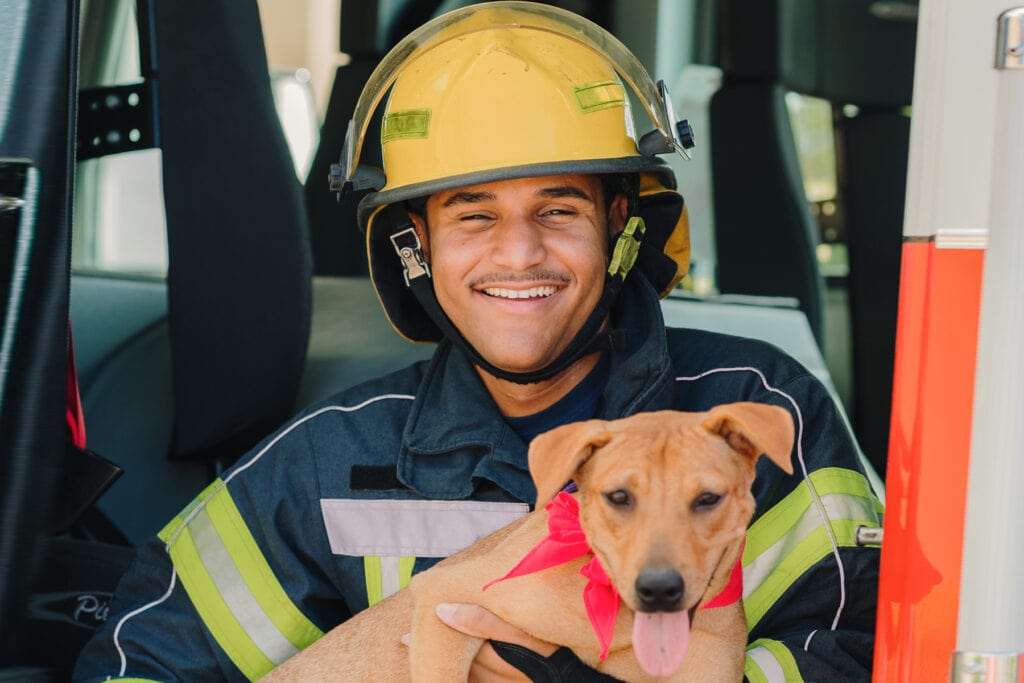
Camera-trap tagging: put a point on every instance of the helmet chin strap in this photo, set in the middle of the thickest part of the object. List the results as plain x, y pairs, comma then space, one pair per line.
589, 339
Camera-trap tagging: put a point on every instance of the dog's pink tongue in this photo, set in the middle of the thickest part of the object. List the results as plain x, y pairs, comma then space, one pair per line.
660, 640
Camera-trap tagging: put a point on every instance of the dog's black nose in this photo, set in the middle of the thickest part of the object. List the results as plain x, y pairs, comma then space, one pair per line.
659, 590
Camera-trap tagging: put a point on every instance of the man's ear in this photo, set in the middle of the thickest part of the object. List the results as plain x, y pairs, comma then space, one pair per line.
617, 214
419, 223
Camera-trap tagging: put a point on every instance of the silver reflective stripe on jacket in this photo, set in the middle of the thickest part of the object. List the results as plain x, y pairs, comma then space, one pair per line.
412, 528
232, 586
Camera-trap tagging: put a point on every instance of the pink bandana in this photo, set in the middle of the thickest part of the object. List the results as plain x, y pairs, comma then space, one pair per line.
566, 541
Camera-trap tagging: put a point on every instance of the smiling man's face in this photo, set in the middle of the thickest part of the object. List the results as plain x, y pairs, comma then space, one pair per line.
519, 265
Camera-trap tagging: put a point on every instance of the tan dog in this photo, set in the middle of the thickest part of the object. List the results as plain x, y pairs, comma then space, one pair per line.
664, 502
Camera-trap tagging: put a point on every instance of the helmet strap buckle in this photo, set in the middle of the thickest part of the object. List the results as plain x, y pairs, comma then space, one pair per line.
410, 252
627, 247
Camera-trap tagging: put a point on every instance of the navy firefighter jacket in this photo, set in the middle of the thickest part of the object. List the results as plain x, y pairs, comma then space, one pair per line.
339, 508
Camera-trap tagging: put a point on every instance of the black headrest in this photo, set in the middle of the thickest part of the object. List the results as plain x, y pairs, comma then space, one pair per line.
239, 280
854, 51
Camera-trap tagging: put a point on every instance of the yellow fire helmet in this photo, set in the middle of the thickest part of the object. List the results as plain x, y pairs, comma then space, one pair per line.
506, 90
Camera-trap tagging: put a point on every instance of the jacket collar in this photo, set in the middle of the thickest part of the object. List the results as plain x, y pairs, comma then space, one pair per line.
455, 436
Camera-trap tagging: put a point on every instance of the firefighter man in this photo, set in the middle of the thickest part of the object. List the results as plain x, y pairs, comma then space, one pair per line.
523, 225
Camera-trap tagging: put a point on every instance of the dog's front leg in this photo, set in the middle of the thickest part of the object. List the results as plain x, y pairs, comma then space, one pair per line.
718, 645
722, 663
437, 653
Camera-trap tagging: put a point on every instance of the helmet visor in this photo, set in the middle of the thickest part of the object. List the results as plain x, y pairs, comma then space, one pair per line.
507, 14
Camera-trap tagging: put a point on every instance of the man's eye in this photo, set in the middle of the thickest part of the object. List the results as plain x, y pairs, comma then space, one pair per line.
559, 212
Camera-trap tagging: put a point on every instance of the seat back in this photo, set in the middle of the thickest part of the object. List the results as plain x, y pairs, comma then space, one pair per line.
859, 55
38, 72
369, 28
239, 279
764, 232
855, 52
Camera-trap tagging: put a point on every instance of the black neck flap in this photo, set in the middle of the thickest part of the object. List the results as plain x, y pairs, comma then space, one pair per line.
589, 339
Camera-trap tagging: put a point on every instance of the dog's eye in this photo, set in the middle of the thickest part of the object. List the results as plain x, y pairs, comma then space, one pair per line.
706, 500
619, 498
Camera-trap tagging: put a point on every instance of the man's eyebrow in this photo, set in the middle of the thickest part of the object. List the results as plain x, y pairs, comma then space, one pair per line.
565, 191
557, 191
467, 198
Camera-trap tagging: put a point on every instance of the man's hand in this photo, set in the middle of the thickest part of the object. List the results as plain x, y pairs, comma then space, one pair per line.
476, 621
545, 662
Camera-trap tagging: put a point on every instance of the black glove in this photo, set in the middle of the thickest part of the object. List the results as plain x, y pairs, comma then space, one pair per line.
562, 665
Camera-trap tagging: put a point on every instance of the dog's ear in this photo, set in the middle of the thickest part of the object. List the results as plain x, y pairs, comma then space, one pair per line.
555, 456
753, 429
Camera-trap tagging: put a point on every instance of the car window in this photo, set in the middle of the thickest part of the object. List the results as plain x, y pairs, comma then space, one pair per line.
119, 218
811, 121
118, 213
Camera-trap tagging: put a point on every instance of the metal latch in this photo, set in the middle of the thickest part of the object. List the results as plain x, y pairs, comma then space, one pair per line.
410, 251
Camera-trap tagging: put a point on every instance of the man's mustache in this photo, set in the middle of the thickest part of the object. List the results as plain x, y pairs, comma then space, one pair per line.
539, 276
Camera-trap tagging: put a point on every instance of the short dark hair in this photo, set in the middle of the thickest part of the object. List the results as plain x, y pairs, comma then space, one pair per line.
614, 184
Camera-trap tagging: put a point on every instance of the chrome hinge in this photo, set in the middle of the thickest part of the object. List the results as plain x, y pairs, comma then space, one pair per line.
13, 172
10, 203
868, 535
985, 667
1010, 39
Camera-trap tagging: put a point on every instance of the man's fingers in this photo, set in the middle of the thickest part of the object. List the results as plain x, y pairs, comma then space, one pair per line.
474, 620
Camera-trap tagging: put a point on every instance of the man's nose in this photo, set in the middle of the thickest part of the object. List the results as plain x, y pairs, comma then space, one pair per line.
518, 244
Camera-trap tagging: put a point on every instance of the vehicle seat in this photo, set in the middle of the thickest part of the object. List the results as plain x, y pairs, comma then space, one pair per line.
756, 182
180, 378
850, 53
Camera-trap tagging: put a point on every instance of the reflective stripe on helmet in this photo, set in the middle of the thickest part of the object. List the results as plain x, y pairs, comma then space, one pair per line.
405, 123
233, 587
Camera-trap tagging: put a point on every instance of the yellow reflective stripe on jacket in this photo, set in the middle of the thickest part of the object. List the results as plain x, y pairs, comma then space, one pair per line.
172, 526
385, 576
232, 586
769, 661
790, 538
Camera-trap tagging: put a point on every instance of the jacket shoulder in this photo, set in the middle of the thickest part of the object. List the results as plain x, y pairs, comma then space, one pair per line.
359, 425
695, 351
402, 382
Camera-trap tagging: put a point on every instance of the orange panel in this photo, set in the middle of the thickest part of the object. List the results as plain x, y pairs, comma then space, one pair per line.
929, 450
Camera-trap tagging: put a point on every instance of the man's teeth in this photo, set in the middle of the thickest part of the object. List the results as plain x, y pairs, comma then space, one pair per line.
532, 293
